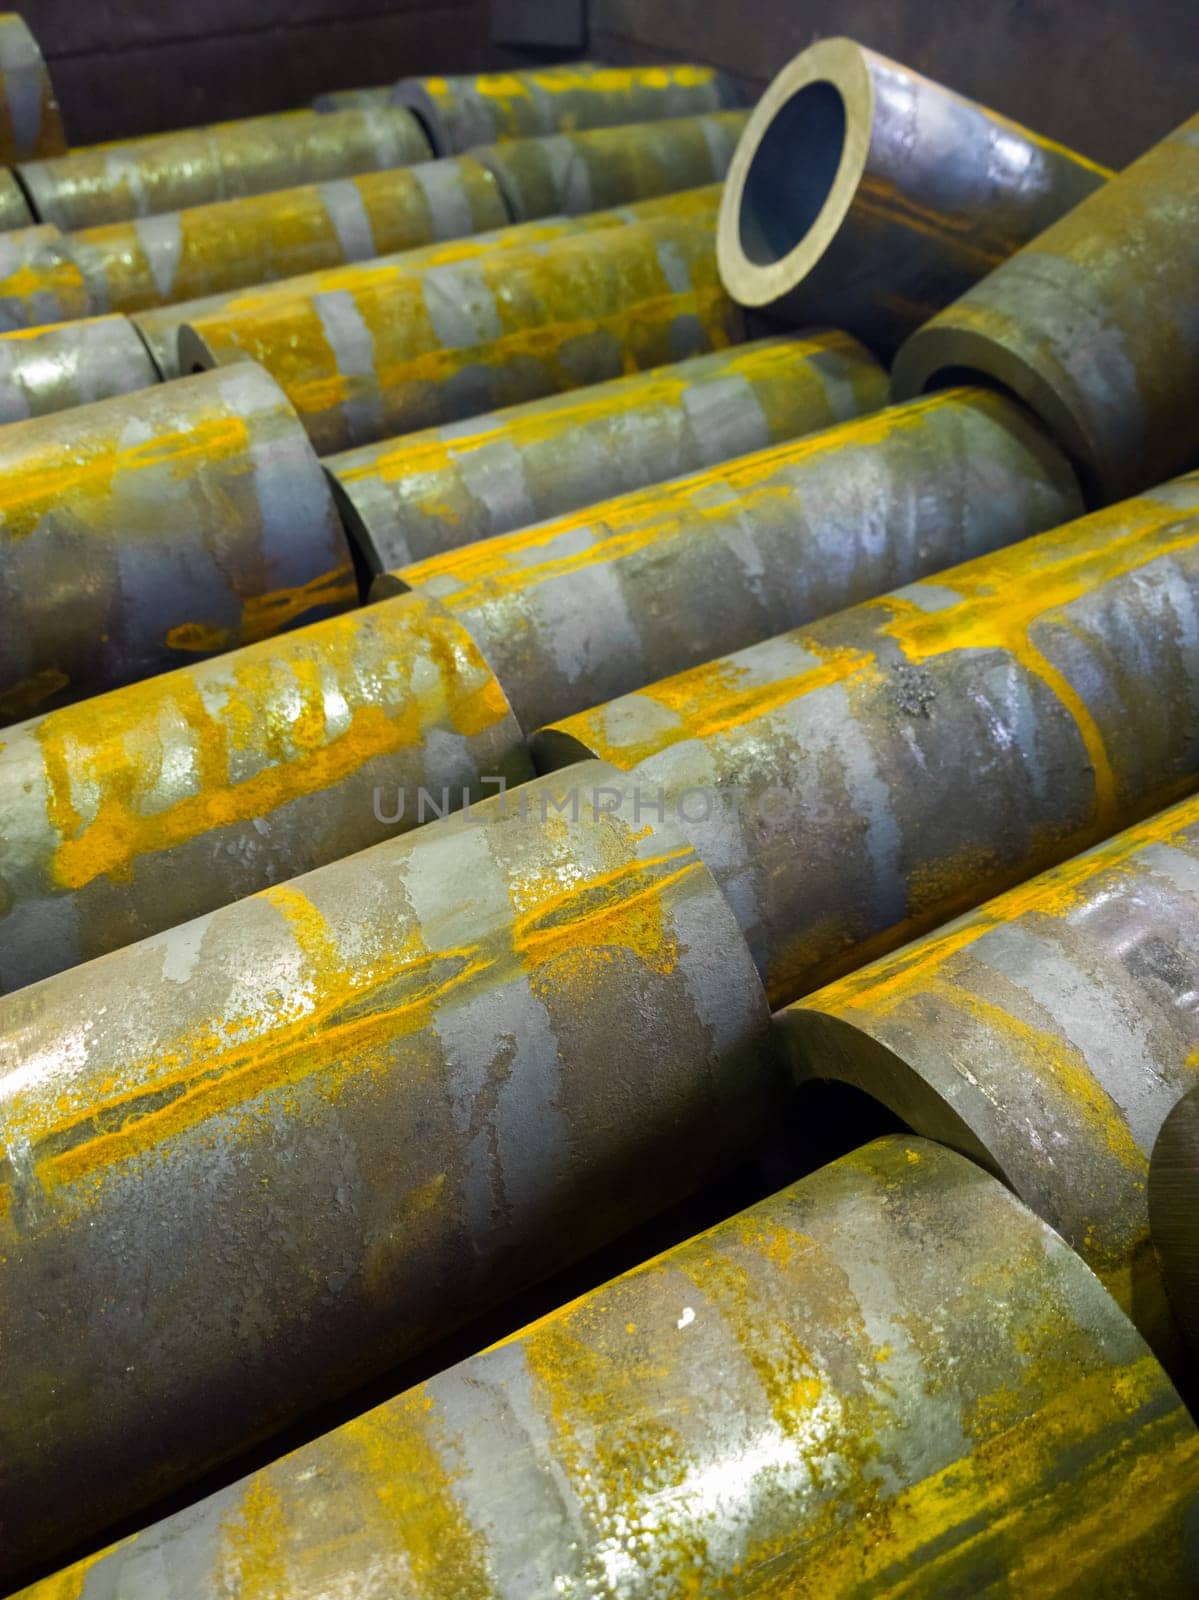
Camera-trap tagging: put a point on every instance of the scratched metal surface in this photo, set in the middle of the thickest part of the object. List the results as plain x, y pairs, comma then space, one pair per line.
417, 496
600, 602
906, 194
255, 1159
168, 171
470, 109
67, 364
153, 528
889, 1380
1095, 325
582, 171
142, 808
856, 782
1047, 1034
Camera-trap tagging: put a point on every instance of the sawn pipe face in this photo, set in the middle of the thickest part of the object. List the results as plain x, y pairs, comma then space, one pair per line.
427, 347
1095, 325
1048, 1034
153, 528
785, 1405
470, 109
68, 364
262, 1156
868, 197
417, 496
592, 605
1174, 1211
137, 810
169, 171
578, 172
856, 782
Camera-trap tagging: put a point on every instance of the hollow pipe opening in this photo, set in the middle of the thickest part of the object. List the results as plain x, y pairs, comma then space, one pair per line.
792, 173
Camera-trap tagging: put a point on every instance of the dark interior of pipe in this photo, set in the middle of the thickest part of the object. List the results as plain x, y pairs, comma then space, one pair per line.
792, 172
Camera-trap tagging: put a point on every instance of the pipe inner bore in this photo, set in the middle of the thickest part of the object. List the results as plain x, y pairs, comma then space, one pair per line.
792, 173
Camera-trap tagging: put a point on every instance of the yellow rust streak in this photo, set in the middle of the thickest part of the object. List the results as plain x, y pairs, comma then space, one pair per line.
30, 487
491, 568
352, 1011
110, 745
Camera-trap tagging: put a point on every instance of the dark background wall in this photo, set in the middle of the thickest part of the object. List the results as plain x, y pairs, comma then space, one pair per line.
1108, 76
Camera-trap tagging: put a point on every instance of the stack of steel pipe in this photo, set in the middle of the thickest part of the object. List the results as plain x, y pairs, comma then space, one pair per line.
894, 1344
378, 961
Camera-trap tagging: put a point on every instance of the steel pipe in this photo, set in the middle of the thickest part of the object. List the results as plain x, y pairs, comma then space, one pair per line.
14, 208
889, 1378
183, 255
160, 326
40, 281
424, 493
597, 603
868, 197
857, 782
1095, 325
428, 347
471, 109
1174, 1211
157, 527
576, 172
352, 99
139, 809
70, 364
262, 1156
169, 171
30, 121
1047, 1034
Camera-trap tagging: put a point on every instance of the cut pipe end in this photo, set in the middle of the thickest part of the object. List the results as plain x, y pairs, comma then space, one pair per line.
795, 173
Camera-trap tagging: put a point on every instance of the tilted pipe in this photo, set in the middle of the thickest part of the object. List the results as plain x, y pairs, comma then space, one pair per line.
1095, 325
68, 364
868, 197
1047, 1034
483, 108
418, 495
40, 280
429, 347
168, 171
594, 604
157, 527
259, 1158
856, 782
889, 1378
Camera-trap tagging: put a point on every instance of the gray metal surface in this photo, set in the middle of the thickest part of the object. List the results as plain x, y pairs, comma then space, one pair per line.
424, 493
40, 280
67, 364
854, 783
258, 1158
887, 1380
597, 603
157, 527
